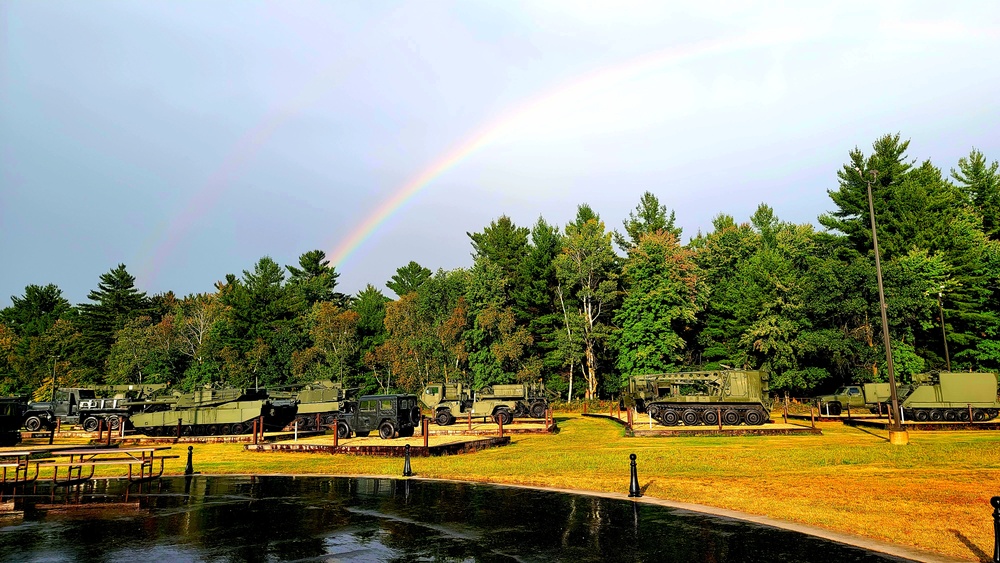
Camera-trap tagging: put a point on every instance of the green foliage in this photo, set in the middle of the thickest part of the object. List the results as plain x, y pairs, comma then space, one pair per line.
114, 303
408, 279
649, 217
314, 281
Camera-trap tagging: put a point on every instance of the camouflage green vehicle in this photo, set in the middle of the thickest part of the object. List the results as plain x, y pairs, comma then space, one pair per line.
857, 397
319, 400
391, 415
702, 397
501, 402
949, 396
211, 412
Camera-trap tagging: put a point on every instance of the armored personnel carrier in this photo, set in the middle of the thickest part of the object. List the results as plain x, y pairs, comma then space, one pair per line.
501, 402
318, 404
702, 397
391, 415
949, 396
210, 412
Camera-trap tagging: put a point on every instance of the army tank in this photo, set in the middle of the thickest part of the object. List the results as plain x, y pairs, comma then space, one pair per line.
696, 398
211, 412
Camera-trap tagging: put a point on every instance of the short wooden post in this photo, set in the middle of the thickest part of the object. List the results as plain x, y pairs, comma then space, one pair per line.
336, 435
318, 427
718, 413
100, 429
52, 434
109, 433
584, 406
426, 430
879, 409
784, 411
58, 425
812, 416
261, 427
971, 420
848, 411
255, 431
470, 420
500, 424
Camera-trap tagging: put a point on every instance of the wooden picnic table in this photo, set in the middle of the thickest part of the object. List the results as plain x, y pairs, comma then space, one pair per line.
18, 461
81, 459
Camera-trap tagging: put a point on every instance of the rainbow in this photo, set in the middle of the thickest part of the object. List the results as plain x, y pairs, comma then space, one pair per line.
493, 130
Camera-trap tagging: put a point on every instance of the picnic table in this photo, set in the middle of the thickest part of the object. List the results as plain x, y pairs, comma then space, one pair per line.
17, 460
141, 463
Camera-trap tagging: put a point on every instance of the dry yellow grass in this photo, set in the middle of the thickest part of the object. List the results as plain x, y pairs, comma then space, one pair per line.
932, 494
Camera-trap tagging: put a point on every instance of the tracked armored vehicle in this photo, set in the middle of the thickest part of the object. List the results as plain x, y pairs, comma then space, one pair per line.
703, 397
501, 402
950, 397
318, 404
211, 412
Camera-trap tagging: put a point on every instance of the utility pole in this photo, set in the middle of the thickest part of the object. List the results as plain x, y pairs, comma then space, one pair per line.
55, 359
897, 435
944, 335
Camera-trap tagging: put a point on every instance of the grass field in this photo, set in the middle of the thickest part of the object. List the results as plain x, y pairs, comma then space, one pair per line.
932, 494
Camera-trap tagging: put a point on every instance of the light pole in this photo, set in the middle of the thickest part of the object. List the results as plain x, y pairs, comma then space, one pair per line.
896, 433
55, 360
944, 335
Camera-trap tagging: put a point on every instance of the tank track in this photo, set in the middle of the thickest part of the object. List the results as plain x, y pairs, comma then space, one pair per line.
948, 415
707, 414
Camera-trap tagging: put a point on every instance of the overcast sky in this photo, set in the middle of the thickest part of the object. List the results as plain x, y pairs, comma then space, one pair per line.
189, 139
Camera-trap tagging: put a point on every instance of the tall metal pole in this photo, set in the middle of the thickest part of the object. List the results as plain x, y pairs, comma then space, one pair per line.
944, 335
895, 426
54, 360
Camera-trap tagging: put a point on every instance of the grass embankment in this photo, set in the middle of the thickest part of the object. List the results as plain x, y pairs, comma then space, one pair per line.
932, 494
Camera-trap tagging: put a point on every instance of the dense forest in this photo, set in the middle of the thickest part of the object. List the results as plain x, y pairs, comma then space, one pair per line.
580, 307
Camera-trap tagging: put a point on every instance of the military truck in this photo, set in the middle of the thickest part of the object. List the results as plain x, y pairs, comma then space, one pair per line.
501, 402
857, 397
12, 411
391, 415
210, 412
76, 405
702, 397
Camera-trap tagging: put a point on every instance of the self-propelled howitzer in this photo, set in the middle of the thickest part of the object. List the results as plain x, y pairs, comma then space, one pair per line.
703, 397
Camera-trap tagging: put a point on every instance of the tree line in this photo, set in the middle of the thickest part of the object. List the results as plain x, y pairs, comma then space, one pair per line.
580, 307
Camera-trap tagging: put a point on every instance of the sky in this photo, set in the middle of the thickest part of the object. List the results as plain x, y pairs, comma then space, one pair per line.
187, 140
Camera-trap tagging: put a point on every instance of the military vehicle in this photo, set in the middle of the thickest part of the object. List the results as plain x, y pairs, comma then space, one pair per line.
949, 396
210, 412
857, 397
75, 405
502, 402
391, 415
12, 411
702, 397
322, 398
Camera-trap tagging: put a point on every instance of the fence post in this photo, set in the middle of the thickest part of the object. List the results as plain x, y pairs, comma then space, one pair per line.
784, 411
109, 433
848, 411
718, 413
971, 420
812, 416
426, 422
470, 420
255, 431
261, 428
318, 427
336, 434
500, 424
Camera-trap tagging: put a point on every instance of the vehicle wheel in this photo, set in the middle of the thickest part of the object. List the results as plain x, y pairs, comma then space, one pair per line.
921, 415
538, 410
669, 418
936, 415
415, 415
343, 430
950, 415
212, 430
236, 428
32, 423
304, 423
835, 409
963, 415
730, 417
115, 422
443, 417
90, 424
690, 417
386, 430
978, 415
361, 434
329, 419
503, 416
223, 429
187, 430
754, 417
710, 417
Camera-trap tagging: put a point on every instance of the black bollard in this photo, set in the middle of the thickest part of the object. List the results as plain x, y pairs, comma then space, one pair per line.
189, 470
995, 501
633, 488
407, 472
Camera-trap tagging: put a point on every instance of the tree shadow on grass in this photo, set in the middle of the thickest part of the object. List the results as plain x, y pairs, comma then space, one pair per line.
982, 555
872, 432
